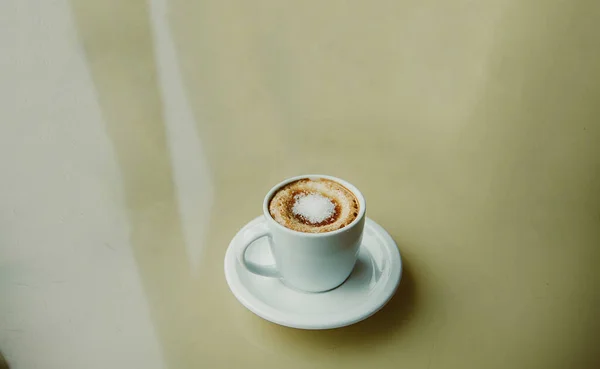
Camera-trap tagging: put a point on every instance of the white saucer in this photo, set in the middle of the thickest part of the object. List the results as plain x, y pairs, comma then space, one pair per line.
370, 286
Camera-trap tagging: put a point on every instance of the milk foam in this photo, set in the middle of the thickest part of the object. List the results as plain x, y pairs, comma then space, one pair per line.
314, 206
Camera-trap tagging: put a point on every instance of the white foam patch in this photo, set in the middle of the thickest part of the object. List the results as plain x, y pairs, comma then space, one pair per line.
313, 207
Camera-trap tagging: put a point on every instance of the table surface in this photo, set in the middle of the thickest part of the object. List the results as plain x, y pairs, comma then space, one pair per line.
137, 137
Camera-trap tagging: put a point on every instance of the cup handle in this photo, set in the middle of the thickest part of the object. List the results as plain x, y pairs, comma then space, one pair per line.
251, 235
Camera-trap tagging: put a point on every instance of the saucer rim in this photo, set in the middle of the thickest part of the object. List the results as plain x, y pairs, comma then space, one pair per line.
272, 314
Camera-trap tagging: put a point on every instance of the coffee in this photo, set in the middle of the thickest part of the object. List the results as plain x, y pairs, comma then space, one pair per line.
314, 205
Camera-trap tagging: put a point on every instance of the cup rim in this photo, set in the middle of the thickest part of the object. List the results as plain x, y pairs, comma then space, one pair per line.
355, 191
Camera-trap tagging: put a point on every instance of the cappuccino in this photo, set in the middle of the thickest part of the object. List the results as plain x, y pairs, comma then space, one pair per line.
314, 206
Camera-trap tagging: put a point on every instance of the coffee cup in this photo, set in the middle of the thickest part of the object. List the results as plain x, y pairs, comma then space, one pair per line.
320, 257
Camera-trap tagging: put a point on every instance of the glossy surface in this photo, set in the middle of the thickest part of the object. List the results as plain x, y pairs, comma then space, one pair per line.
369, 287
137, 137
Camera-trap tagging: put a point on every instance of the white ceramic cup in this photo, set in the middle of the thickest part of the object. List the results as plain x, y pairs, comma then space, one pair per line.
310, 262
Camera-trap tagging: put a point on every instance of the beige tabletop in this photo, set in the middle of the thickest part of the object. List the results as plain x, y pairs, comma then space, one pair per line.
137, 137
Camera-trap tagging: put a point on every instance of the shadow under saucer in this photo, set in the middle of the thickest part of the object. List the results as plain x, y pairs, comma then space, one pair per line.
382, 326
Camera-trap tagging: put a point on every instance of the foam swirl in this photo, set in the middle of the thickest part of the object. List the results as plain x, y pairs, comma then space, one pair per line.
314, 206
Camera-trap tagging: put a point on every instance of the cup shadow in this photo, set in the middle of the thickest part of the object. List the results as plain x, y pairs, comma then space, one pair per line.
386, 322
389, 322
